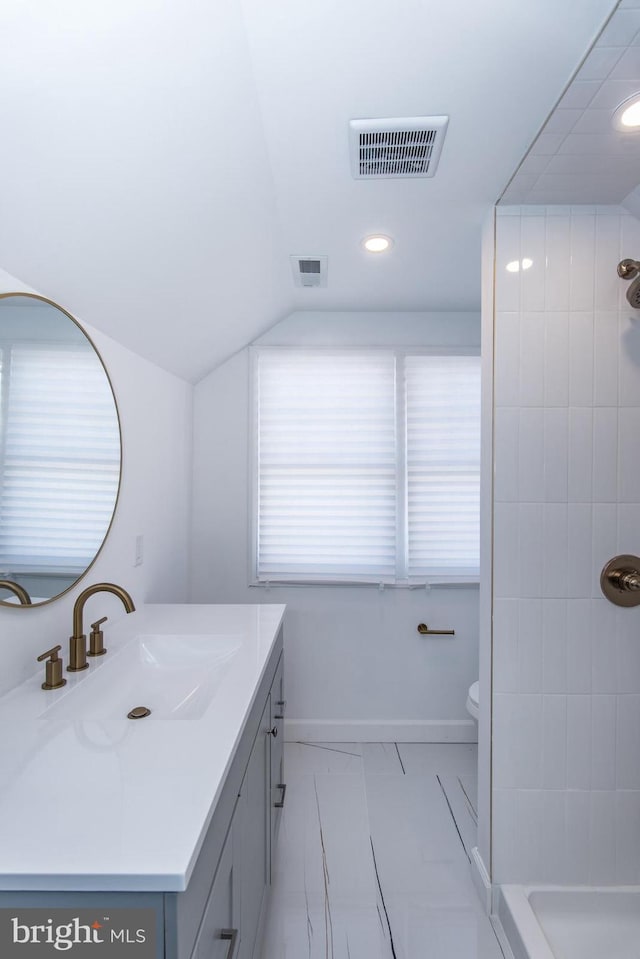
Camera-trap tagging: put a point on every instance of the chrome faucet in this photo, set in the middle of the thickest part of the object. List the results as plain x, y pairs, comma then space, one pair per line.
17, 590
78, 642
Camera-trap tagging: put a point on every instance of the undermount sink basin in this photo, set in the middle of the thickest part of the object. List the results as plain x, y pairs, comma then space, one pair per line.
175, 676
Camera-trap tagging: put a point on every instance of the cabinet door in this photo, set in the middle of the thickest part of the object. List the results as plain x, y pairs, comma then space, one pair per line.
219, 935
253, 847
277, 783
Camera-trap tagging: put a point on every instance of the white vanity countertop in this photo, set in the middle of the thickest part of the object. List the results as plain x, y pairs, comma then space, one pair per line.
121, 804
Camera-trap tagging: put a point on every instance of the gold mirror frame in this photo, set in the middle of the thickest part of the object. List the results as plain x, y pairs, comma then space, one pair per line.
61, 309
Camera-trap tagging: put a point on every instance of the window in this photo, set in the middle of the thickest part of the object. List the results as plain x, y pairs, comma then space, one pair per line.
367, 466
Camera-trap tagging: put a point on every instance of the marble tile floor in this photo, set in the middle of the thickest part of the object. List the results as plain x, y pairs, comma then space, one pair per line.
372, 857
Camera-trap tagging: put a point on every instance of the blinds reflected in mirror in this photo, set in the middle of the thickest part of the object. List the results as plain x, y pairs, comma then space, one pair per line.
60, 458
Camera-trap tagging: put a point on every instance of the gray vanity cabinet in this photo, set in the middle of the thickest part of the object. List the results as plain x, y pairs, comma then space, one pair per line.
221, 913
253, 847
276, 774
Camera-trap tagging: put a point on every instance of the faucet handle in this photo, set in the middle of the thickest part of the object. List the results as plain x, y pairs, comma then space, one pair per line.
53, 669
96, 638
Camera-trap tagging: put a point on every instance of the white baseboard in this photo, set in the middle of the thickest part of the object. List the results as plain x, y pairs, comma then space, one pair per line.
481, 880
381, 731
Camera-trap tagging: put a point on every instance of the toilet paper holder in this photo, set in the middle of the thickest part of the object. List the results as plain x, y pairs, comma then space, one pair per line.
424, 630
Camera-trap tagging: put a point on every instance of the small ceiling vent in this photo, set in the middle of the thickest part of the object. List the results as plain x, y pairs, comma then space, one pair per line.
309, 270
396, 147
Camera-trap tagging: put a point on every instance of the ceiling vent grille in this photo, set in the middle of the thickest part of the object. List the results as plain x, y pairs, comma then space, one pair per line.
396, 147
309, 270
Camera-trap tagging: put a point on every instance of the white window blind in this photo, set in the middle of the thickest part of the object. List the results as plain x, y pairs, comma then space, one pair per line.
60, 459
367, 466
443, 465
326, 466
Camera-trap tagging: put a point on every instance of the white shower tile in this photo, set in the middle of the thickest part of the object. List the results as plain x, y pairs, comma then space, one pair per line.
531, 455
517, 742
603, 742
532, 358
627, 66
507, 359
505, 645
580, 359
506, 424
578, 817
599, 63
531, 830
627, 818
555, 550
605, 539
628, 528
581, 272
628, 650
627, 739
558, 249
579, 640
605, 454
578, 742
629, 455
579, 94
507, 865
533, 248
505, 570
629, 357
556, 465
507, 251
607, 281
527, 733
579, 536
604, 648
530, 557
605, 362
553, 836
530, 645
554, 646
556, 359
554, 747
602, 838
580, 456
620, 29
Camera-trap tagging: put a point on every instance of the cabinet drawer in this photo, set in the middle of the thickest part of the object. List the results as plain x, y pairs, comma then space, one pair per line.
276, 771
219, 935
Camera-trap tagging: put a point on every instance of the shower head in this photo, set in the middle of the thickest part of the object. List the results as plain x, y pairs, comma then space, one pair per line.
630, 270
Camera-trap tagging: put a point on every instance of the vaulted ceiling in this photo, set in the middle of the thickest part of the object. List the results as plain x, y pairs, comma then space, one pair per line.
161, 161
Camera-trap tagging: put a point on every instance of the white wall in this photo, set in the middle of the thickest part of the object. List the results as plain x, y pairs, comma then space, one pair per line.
566, 662
356, 666
156, 417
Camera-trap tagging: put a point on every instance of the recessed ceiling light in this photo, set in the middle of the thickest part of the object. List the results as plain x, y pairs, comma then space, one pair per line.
627, 115
378, 243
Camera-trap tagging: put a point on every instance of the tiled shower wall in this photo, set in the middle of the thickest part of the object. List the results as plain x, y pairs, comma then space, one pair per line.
566, 666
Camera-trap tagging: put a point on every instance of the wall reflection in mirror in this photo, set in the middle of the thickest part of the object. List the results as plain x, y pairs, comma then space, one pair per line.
59, 451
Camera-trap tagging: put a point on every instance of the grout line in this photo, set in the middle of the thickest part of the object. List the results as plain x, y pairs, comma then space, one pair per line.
453, 817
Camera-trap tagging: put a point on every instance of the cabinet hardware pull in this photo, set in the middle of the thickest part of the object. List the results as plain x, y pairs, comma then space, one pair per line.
283, 703
273, 732
232, 936
283, 787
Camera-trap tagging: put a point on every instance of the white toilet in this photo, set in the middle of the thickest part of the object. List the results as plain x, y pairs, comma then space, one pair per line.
473, 700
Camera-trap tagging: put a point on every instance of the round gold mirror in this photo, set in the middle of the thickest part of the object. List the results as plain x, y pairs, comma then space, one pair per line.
60, 451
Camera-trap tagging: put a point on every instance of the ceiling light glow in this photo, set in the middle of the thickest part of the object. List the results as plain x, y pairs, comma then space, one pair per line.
627, 114
378, 243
